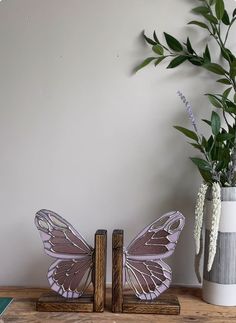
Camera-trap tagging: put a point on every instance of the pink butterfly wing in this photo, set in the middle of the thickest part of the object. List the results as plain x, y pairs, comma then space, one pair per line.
70, 278
158, 240
59, 238
71, 273
145, 271
148, 278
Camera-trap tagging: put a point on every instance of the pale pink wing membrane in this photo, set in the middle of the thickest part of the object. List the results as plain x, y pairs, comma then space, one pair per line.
70, 275
60, 239
144, 270
148, 278
70, 278
158, 240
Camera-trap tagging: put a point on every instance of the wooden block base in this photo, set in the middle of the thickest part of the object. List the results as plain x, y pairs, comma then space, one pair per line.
52, 302
165, 305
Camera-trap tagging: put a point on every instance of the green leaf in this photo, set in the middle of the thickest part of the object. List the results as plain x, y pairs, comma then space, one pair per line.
210, 143
215, 123
188, 133
207, 55
224, 136
189, 46
225, 18
159, 60
235, 97
214, 101
233, 69
149, 40
204, 142
219, 9
173, 43
206, 175
200, 10
197, 146
227, 54
201, 164
145, 63
215, 68
226, 92
224, 81
197, 61
211, 19
158, 49
207, 122
199, 24
155, 37
177, 61
234, 12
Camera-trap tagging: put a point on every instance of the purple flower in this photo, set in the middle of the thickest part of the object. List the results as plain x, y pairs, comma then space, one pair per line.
189, 110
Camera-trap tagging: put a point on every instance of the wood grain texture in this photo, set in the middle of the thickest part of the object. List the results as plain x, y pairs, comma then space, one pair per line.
117, 270
193, 309
165, 305
100, 270
52, 302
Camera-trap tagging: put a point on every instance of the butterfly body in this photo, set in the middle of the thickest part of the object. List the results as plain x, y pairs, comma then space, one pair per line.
144, 268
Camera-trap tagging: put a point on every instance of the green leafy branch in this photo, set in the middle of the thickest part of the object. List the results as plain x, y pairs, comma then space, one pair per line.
219, 150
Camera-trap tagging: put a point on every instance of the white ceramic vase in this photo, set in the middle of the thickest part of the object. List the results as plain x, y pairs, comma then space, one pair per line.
219, 285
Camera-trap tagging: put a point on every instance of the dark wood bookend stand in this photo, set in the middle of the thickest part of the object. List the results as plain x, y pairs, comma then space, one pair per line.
128, 303
91, 301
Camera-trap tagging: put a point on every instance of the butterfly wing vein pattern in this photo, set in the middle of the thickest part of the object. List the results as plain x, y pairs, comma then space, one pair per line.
144, 268
70, 274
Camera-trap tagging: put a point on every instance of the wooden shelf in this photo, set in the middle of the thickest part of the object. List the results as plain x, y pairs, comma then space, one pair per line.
193, 309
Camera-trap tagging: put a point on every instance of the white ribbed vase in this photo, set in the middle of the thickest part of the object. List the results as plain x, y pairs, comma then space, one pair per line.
219, 285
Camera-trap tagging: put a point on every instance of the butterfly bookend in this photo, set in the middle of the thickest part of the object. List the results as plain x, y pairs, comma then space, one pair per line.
78, 274
141, 265
78, 268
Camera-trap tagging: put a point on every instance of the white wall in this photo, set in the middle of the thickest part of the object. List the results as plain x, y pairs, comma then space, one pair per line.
83, 136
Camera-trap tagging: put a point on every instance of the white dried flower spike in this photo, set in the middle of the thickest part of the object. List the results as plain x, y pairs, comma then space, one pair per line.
199, 209
216, 211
